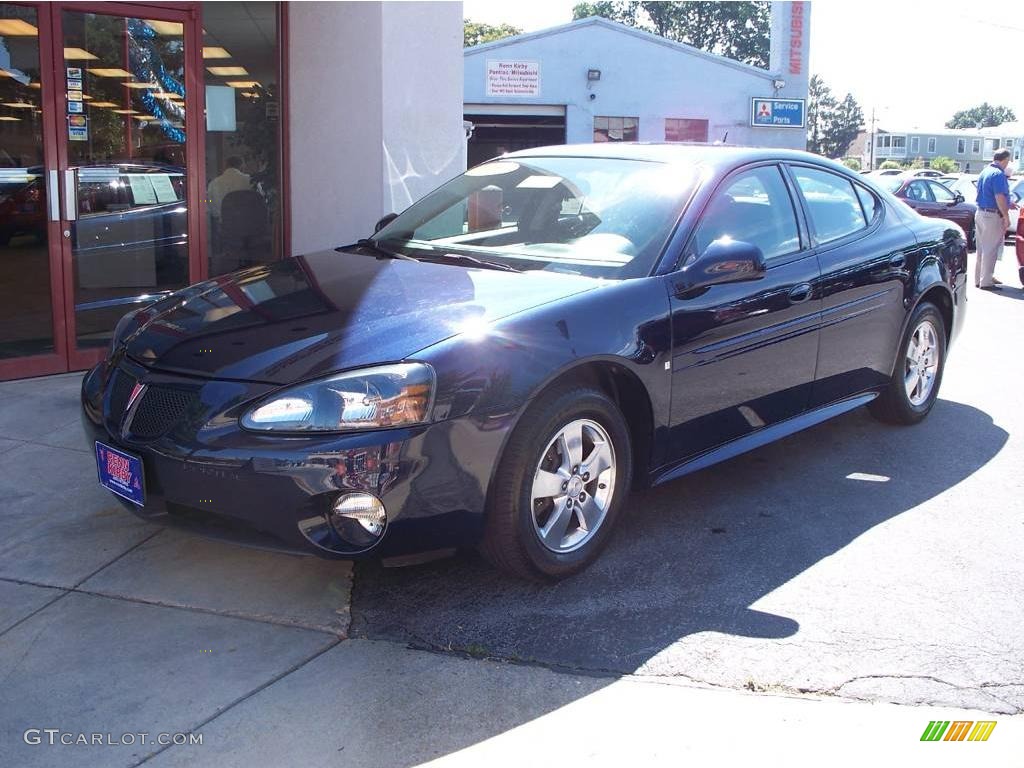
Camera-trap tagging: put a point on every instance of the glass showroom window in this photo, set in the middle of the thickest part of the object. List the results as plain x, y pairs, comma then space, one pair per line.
685, 129
615, 128
242, 54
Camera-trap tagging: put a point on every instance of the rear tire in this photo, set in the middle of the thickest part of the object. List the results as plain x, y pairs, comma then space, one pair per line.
560, 485
917, 374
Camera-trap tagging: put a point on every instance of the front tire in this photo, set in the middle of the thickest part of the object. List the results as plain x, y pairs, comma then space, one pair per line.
918, 371
560, 485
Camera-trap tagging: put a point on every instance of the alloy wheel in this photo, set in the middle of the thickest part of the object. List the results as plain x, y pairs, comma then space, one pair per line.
573, 486
921, 363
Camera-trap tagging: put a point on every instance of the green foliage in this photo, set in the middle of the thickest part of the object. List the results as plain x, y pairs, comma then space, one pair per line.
917, 162
986, 115
832, 125
852, 163
738, 30
943, 164
889, 164
476, 33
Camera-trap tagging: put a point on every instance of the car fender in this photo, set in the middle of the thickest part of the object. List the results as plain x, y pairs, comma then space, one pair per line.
491, 378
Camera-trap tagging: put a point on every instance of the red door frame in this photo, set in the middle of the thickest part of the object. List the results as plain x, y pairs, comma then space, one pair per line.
65, 357
56, 361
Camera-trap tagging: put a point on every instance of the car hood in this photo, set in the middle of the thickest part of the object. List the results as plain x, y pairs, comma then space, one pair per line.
312, 315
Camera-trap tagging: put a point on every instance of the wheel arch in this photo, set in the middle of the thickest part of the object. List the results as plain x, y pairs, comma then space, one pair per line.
612, 376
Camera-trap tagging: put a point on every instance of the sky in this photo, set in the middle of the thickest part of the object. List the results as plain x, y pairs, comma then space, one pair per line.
915, 63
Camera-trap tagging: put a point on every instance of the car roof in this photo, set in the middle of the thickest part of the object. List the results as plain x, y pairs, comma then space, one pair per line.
674, 153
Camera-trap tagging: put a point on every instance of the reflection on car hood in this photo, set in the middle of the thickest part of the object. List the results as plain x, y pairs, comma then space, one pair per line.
316, 314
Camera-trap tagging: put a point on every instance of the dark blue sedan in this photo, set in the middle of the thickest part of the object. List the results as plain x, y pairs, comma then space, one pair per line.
501, 363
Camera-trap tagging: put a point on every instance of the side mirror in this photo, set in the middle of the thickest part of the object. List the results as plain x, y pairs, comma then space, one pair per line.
724, 261
957, 199
383, 222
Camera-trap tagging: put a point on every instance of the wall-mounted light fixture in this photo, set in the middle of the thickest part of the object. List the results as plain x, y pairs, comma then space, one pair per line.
593, 75
778, 85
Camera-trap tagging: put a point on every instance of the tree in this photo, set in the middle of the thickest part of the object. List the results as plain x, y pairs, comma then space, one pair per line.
832, 125
738, 30
476, 33
985, 115
943, 164
852, 163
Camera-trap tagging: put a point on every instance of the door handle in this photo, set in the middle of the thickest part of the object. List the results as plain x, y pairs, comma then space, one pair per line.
53, 194
70, 195
800, 293
898, 261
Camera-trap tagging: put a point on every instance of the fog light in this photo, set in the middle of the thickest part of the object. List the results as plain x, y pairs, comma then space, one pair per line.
359, 509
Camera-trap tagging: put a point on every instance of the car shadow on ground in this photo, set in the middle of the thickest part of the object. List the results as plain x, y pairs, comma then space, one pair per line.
691, 556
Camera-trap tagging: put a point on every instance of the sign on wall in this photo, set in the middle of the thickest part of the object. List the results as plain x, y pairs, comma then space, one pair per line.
513, 78
777, 113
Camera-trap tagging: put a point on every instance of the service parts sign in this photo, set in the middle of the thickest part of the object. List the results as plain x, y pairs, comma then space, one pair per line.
513, 78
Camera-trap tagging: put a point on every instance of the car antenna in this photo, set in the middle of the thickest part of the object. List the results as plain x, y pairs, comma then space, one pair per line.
725, 138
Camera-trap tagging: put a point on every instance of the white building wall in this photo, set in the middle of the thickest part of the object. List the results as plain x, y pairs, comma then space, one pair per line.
646, 77
371, 125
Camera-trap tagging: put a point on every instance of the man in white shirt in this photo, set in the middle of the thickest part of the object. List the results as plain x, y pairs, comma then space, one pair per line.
231, 180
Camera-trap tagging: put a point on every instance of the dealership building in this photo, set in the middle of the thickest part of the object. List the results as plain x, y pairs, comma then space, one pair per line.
146, 146
597, 80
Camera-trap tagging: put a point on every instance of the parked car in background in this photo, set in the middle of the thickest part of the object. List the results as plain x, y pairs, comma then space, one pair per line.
22, 203
930, 198
922, 173
967, 185
1020, 239
884, 172
502, 362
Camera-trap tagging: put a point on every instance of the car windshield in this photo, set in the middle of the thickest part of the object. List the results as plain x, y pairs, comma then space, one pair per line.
604, 217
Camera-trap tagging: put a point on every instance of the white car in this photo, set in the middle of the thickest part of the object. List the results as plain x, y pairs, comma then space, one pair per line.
923, 173
967, 185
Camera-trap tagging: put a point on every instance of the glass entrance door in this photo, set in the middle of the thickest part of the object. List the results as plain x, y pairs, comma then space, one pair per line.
99, 204
124, 170
31, 311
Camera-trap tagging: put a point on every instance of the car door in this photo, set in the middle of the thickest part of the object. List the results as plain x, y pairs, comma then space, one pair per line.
866, 257
947, 207
744, 353
920, 197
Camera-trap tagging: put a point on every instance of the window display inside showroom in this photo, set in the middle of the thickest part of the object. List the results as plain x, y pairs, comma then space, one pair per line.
241, 67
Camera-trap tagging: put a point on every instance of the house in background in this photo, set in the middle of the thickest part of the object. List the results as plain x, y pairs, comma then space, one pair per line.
970, 149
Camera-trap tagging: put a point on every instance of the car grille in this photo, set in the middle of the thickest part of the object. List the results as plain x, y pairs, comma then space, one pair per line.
120, 391
159, 409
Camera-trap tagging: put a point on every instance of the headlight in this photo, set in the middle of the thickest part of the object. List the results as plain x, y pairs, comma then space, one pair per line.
371, 398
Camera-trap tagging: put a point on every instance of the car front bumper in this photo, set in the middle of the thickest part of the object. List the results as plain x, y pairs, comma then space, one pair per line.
208, 475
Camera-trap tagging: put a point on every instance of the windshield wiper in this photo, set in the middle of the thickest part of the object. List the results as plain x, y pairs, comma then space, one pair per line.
372, 245
462, 258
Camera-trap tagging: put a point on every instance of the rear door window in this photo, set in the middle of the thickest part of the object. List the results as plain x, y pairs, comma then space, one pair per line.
832, 204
